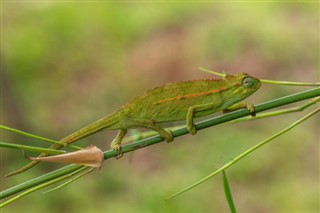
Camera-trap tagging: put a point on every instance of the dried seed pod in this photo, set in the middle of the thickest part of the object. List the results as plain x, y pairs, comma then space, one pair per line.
89, 156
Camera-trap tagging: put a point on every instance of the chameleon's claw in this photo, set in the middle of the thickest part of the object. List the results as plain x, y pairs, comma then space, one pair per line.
116, 143
253, 114
250, 108
192, 130
169, 138
118, 148
119, 155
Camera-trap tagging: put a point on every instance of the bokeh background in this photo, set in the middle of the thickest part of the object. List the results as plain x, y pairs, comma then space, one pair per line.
66, 64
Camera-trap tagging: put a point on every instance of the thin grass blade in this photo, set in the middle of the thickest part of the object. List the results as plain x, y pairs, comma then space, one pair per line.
244, 154
35, 136
70, 181
287, 83
31, 148
227, 192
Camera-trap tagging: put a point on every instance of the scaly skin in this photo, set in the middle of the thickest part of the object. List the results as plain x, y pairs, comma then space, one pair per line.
184, 100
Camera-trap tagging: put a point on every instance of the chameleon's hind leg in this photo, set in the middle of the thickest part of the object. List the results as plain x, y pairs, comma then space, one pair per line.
165, 134
116, 143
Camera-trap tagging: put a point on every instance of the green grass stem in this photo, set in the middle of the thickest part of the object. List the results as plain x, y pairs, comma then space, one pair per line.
312, 93
244, 154
40, 186
73, 179
32, 148
36, 137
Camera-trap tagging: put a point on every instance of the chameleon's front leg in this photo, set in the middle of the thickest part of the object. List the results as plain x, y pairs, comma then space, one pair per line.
191, 113
249, 106
116, 143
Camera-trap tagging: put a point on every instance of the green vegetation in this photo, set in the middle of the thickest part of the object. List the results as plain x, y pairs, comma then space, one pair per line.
66, 64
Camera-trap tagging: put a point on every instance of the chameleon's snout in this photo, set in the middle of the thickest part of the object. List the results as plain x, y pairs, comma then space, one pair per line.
257, 84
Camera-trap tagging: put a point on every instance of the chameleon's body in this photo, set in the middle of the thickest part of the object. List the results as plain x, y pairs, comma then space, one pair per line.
171, 102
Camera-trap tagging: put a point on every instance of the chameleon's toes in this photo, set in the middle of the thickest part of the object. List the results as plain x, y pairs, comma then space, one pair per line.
250, 108
118, 148
192, 130
119, 155
169, 138
253, 114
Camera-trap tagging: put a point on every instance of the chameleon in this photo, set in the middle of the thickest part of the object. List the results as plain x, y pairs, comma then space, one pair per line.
184, 100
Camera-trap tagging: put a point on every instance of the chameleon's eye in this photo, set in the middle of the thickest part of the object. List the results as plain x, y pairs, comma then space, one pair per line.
247, 82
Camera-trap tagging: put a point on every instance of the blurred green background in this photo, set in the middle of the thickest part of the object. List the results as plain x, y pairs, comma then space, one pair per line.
66, 64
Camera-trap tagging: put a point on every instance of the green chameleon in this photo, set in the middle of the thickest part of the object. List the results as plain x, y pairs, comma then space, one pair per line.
184, 100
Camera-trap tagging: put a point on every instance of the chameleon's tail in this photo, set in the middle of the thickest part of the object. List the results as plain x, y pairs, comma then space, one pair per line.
107, 122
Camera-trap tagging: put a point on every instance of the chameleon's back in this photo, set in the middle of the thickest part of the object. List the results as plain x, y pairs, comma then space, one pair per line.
171, 101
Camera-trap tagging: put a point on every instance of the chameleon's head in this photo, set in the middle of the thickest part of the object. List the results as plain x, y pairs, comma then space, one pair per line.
246, 84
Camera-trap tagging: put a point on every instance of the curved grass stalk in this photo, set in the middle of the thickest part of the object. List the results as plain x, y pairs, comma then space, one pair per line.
36, 136
288, 83
32, 148
70, 181
40, 186
244, 154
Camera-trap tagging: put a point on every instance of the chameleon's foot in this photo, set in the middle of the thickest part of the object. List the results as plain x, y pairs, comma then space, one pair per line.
250, 108
116, 143
119, 155
169, 137
192, 130
118, 148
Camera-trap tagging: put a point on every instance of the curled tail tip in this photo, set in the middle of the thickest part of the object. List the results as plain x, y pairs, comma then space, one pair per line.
25, 168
